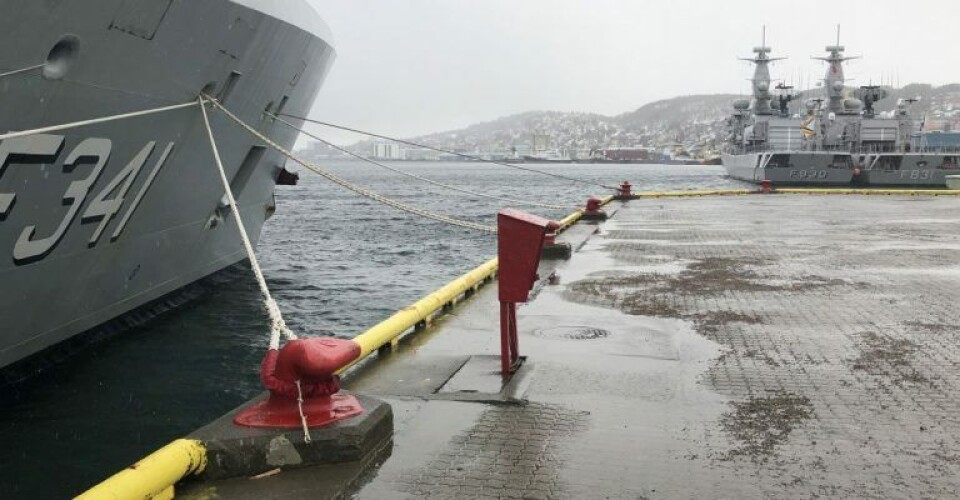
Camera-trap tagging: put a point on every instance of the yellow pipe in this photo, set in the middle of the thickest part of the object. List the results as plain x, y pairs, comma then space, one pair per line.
407, 318
685, 194
155, 475
570, 220
392, 328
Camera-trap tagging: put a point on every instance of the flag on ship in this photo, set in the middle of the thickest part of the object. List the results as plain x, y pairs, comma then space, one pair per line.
808, 126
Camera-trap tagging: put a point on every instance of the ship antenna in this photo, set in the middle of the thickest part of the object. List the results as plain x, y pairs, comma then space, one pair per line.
838, 35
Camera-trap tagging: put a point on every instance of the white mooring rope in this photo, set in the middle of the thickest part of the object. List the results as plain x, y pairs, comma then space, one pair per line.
94, 121
277, 324
303, 417
22, 70
419, 178
349, 185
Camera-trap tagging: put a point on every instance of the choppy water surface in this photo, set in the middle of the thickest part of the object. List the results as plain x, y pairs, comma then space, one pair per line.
335, 262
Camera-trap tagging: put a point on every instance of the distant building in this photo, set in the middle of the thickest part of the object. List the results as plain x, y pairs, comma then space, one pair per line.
625, 154
420, 154
387, 151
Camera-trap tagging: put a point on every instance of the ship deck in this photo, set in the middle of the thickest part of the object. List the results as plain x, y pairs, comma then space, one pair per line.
731, 347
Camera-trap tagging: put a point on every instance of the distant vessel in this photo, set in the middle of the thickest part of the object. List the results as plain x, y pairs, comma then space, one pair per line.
547, 156
839, 141
767, 144
98, 221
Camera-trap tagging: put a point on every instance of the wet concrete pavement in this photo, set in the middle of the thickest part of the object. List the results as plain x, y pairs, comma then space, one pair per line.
735, 347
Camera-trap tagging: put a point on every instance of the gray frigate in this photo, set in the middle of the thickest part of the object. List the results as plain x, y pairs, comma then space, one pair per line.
767, 143
838, 140
98, 221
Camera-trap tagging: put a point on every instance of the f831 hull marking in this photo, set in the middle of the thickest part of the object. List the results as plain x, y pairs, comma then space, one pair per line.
39, 149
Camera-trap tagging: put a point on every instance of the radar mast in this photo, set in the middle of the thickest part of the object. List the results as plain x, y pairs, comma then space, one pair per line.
834, 81
761, 76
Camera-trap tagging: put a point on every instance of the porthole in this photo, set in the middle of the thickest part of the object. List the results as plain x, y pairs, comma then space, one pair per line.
61, 58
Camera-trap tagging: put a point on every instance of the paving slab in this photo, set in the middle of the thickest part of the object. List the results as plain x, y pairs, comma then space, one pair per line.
747, 347
730, 347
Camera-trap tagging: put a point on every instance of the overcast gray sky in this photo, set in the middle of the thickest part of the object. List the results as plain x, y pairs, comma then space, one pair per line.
409, 67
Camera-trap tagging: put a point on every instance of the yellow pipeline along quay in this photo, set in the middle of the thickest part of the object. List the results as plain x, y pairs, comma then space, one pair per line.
709, 346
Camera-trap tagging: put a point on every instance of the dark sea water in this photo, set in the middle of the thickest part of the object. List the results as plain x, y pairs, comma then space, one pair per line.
336, 263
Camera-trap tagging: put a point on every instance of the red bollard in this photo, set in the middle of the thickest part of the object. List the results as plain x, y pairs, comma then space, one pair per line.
553, 249
624, 191
593, 210
520, 239
313, 363
766, 187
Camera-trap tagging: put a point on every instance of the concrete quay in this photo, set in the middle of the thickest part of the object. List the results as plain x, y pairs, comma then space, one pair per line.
762, 346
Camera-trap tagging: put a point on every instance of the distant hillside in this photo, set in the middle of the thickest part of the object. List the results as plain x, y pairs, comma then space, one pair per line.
678, 112
690, 120
663, 122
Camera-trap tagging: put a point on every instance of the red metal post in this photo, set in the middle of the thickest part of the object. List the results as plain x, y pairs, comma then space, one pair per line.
520, 238
514, 339
505, 356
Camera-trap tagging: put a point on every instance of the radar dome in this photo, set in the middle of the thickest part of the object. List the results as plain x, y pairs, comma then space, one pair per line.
853, 104
837, 86
763, 86
741, 104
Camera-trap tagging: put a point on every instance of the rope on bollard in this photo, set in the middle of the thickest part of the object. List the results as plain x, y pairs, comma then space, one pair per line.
277, 325
445, 151
351, 186
415, 176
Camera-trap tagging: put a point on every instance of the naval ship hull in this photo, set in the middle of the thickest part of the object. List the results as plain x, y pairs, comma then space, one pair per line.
907, 169
100, 220
791, 168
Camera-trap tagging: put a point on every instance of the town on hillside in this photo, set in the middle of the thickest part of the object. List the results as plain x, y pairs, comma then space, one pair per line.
682, 130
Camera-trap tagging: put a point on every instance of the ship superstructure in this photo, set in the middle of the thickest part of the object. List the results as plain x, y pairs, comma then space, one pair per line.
838, 139
766, 143
100, 220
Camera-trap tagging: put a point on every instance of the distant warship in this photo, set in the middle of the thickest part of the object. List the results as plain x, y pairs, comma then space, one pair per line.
840, 140
768, 144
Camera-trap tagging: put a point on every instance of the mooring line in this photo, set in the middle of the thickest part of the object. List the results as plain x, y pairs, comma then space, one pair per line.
417, 177
445, 151
22, 70
94, 121
349, 185
277, 324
